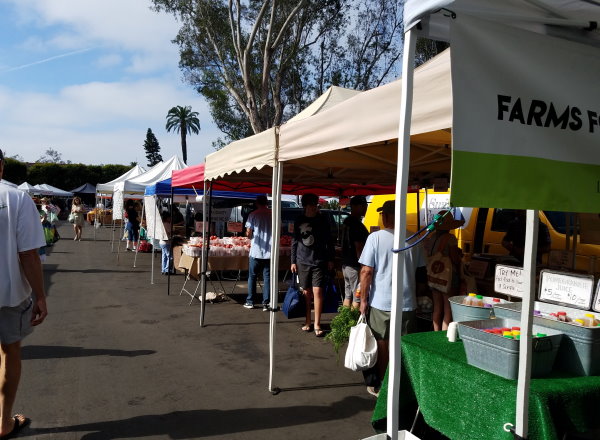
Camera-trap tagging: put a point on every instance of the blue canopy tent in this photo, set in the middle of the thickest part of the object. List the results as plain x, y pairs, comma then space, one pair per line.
163, 188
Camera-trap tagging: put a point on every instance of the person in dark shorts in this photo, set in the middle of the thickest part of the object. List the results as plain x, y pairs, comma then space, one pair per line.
312, 257
354, 236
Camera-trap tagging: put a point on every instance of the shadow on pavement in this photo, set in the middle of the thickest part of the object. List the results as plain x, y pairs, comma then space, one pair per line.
29, 352
204, 423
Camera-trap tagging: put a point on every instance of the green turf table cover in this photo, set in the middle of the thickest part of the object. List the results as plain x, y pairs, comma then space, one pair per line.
466, 403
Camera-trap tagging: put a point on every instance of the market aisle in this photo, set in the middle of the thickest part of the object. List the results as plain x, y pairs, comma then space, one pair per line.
118, 359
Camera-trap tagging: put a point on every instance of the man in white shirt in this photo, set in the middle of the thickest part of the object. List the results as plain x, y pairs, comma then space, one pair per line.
21, 236
258, 229
376, 287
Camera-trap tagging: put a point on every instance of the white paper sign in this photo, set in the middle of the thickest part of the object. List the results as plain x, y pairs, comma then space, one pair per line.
567, 289
509, 280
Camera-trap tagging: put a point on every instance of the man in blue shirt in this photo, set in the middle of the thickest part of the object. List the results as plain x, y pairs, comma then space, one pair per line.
376, 287
258, 230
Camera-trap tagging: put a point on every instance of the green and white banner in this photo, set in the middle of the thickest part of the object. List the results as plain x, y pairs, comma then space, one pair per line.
526, 119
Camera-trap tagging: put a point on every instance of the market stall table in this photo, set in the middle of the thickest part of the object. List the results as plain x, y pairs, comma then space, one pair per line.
464, 402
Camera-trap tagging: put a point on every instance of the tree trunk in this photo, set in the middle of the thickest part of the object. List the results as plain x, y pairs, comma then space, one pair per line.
184, 146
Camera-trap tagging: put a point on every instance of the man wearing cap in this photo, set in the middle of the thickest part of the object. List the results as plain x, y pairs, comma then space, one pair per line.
354, 236
376, 289
258, 229
21, 275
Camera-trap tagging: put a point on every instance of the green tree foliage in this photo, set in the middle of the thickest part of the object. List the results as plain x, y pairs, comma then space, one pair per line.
183, 121
69, 176
15, 171
152, 149
51, 156
258, 62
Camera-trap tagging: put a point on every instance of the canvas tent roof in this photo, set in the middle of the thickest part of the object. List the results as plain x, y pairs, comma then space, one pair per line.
163, 188
160, 171
559, 18
86, 188
28, 188
52, 190
107, 188
258, 151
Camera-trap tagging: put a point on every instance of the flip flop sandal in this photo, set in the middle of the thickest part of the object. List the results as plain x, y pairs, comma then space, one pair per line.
306, 328
319, 333
17, 428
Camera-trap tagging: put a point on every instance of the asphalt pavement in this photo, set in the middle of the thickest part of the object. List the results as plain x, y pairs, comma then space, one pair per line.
118, 358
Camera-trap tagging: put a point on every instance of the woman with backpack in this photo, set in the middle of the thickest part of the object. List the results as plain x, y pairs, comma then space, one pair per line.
444, 259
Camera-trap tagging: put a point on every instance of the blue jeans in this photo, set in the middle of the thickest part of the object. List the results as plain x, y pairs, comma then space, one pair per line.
255, 265
166, 257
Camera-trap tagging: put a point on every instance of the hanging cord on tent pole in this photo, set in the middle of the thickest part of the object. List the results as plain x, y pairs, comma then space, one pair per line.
427, 229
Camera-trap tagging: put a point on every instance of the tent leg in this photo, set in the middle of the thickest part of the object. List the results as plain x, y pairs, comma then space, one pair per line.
274, 287
141, 222
112, 240
400, 234
204, 261
525, 344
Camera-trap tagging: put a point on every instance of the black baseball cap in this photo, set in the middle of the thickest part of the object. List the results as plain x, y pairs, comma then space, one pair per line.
358, 200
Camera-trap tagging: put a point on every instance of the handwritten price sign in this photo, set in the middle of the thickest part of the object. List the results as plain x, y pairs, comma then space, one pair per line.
566, 289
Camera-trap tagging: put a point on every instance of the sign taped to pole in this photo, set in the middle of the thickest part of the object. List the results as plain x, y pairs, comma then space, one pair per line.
526, 119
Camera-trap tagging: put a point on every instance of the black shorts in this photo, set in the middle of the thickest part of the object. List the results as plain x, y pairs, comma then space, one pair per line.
311, 276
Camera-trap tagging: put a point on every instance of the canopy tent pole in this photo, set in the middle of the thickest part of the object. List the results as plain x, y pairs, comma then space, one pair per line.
153, 238
274, 281
141, 223
96, 213
112, 240
172, 259
400, 235
525, 344
205, 244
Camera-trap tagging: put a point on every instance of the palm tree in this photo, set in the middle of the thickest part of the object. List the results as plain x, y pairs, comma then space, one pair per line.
184, 121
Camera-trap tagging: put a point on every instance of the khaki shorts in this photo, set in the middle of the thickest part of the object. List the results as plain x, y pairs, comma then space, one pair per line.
15, 322
351, 282
379, 321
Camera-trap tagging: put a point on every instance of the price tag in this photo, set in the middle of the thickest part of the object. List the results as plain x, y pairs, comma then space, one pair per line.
234, 226
596, 306
566, 289
509, 280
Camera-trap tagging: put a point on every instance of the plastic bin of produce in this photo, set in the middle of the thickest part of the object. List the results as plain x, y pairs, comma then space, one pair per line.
580, 350
500, 355
461, 312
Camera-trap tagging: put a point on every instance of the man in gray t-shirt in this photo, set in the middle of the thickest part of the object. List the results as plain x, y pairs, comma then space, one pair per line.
376, 286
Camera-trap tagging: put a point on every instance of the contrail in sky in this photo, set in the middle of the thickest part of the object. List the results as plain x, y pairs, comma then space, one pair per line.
23, 66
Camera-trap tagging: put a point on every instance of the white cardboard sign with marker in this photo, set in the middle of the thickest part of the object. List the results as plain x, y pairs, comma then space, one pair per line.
566, 289
509, 280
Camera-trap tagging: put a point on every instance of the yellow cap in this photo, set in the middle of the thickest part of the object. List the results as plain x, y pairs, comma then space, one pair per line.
578, 321
590, 315
472, 294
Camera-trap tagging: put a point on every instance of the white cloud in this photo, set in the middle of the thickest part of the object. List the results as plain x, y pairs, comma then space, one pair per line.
110, 60
127, 25
100, 122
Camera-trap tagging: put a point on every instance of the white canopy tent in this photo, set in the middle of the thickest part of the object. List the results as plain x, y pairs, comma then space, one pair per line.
33, 189
6, 182
108, 187
508, 36
53, 191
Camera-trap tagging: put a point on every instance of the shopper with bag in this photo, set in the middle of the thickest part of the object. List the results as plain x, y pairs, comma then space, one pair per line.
376, 290
312, 257
444, 259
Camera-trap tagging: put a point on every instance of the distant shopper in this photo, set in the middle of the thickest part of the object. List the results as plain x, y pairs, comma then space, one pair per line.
21, 277
77, 211
514, 240
258, 229
376, 290
438, 246
132, 226
165, 244
312, 257
354, 236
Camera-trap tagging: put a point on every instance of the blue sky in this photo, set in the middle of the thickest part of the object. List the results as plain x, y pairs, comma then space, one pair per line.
88, 78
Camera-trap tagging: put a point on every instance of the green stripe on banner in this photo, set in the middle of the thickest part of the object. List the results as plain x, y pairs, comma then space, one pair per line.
518, 182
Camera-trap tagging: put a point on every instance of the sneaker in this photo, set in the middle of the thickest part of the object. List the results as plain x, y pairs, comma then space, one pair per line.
265, 307
249, 305
373, 391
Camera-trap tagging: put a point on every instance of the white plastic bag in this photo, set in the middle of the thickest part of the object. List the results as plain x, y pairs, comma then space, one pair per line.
362, 347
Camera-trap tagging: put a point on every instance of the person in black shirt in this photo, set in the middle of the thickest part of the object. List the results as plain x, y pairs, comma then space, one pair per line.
312, 257
514, 240
132, 226
354, 236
